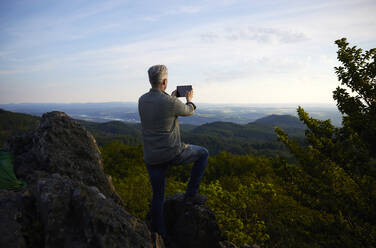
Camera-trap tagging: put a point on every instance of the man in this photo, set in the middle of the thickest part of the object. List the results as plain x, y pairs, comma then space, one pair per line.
162, 143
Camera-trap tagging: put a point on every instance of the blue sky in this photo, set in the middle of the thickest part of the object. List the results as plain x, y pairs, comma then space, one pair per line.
230, 51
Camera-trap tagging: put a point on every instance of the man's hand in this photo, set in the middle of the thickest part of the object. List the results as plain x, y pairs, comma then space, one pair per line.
174, 93
189, 95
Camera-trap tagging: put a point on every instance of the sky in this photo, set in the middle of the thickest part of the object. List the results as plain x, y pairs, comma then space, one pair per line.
230, 51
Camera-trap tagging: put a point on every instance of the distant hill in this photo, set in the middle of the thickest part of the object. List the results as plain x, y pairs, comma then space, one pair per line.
113, 130
252, 132
260, 130
128, 133
256, 137
111, 126
280, 121
205, 113
15, 123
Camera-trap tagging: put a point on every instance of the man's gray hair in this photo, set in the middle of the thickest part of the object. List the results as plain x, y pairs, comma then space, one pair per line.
156, 74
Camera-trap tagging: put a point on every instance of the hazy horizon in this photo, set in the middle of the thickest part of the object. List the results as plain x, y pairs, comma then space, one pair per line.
205, 112
183, 100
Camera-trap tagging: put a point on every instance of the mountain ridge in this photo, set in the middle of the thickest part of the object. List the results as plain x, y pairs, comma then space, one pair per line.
280, 120
127, 111
254, 137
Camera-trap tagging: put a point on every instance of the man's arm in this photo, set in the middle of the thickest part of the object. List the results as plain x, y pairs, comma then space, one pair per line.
182, 109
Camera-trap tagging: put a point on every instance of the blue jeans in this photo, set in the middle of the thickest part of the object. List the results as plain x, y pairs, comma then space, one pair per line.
157, 173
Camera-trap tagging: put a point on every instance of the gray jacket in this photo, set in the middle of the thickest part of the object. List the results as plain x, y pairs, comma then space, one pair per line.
160, 126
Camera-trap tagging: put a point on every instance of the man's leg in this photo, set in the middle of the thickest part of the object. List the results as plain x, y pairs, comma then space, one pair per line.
199, 155
197, 170
157, 179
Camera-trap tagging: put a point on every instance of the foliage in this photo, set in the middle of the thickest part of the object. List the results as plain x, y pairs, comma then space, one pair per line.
104, 133
336, 170
15, 123
239, 220
319, 183
357, 73
129, 175
256, 199
125, 164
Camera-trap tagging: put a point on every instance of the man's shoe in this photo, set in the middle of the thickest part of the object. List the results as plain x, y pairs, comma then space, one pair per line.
195, 199
158, 240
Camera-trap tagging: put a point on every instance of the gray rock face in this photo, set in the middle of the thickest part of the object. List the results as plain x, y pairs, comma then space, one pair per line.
18, 224
61, 145
69, 201
190, 225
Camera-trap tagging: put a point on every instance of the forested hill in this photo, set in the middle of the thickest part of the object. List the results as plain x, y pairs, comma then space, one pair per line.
256, 137
281, 121
252, 138
15, 123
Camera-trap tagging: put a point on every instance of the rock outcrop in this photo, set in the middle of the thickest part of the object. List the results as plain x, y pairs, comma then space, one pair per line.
190, 224
61, 145
69, 201
193, 225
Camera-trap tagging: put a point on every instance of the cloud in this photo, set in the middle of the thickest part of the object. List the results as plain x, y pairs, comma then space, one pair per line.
209, 37
4, 53
258, 34
188, 9
174, 11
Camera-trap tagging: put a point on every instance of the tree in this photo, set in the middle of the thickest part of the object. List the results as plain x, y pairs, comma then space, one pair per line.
357, 72
336, 170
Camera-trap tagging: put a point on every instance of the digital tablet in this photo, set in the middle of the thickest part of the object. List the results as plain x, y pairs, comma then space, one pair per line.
182, 90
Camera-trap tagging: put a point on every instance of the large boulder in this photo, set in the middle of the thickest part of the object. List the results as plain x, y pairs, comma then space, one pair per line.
190, 224
69, 200
19, 226
61, 145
